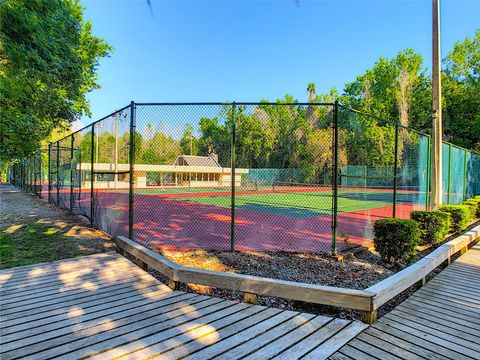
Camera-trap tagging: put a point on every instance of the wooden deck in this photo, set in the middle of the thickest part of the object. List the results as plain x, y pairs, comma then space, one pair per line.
440, 321
104, 307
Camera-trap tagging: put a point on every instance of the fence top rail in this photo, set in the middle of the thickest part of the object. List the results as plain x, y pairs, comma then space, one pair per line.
91, 124
242, 103
461, 148
238, 103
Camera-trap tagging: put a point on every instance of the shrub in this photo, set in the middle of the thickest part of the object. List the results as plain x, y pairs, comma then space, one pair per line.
460, 216
473, 206
475, 202
395, 239
434, 226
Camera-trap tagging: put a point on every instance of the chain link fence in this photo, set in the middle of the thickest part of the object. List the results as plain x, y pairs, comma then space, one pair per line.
295, 177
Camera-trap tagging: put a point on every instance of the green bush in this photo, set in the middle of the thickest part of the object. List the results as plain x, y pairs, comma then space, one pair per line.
472, 207
434, 226
475, 202
395, 239
460, 214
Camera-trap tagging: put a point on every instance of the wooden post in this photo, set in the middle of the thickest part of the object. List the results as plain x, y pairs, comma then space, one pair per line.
436, 109
143, 265
369, 317
172, 284
463, 250
250, 298
421, 283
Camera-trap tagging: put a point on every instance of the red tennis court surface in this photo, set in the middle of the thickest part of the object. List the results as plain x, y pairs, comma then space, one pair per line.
161, 222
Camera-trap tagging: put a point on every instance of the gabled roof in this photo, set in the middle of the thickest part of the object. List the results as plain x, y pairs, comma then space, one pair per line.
190, 160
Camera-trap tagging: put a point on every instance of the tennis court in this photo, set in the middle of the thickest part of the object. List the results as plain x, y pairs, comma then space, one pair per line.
312, 185
288, 217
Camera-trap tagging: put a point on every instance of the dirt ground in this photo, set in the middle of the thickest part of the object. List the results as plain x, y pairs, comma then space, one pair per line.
33, 231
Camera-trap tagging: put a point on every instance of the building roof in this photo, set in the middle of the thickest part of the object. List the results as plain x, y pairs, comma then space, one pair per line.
191, 160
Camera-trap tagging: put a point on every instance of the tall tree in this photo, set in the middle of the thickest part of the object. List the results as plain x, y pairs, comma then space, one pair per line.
189, 142
48, 62
461, 84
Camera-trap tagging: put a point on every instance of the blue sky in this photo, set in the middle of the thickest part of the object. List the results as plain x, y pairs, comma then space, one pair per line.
252, 50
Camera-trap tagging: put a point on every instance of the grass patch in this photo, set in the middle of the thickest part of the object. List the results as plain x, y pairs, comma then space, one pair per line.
43, 241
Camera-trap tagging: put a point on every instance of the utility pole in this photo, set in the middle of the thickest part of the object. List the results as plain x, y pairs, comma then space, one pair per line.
436, 109
115, 176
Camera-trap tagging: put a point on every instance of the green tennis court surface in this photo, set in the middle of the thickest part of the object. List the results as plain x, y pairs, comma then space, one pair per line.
290, 204
297, 204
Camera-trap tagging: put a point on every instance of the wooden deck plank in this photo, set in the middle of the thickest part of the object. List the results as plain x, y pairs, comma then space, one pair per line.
71, 263
432, 314
222, 346
449, 291
163, 303
296, 336
69, 279
80, 266
465, 313
104, 306
88, 283
356, 354
372, 350
77, 292
97, 321
445, 329
338, 340
438, 318
392, 349
191, 338
340, 356
93, 312
85, 304
441, 320
16, 281
63, 300
406, 335
92, 342
220, 335
151, 335
442, 338
398, 342
314, 340
267, 337
455, 283
458, 302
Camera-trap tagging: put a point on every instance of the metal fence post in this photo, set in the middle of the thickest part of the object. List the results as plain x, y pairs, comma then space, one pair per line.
49, 174
132, 162
465, 174
71, 174
335, 179
232, 176
449, 172
92, 175
427, 190
58, 173
395, 173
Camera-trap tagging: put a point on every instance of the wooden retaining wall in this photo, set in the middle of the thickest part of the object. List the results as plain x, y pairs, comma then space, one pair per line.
368, 300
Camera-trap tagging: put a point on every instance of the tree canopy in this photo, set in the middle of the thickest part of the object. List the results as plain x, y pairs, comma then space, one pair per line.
48, 62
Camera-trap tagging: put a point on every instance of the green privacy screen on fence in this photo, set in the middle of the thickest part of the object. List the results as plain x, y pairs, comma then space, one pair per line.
243, 176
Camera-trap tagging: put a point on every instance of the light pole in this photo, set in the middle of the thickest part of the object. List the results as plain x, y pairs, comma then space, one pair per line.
436, 109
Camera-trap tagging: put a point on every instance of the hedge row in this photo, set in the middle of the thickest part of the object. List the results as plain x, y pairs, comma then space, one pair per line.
396, 239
